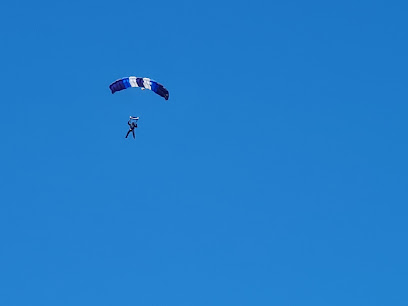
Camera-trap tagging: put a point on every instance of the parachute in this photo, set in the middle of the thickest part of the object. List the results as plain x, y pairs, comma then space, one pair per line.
143, 83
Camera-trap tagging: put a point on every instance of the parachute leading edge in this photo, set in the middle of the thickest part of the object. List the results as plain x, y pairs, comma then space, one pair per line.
143, 83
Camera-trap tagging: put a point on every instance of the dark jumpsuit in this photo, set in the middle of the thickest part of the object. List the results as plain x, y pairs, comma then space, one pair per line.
132, 126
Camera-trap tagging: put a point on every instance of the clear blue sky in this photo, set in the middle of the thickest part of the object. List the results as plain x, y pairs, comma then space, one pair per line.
276, 174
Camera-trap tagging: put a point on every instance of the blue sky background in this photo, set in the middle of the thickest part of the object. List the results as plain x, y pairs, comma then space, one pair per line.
276, 174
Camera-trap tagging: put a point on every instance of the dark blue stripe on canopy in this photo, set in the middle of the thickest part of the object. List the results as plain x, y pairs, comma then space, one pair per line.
139, 82
116, 86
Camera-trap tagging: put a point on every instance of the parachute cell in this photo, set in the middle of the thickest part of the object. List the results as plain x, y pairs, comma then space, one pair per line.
139, 82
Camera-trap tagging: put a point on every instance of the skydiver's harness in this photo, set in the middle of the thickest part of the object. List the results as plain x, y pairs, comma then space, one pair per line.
132, 125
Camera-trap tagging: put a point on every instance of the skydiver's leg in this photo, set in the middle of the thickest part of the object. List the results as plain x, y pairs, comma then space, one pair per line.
133, 131
127, 134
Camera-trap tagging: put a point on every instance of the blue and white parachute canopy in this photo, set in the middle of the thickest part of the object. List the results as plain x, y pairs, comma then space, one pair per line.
143, 83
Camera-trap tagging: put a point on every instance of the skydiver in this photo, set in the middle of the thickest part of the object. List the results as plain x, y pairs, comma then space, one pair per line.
132, 126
